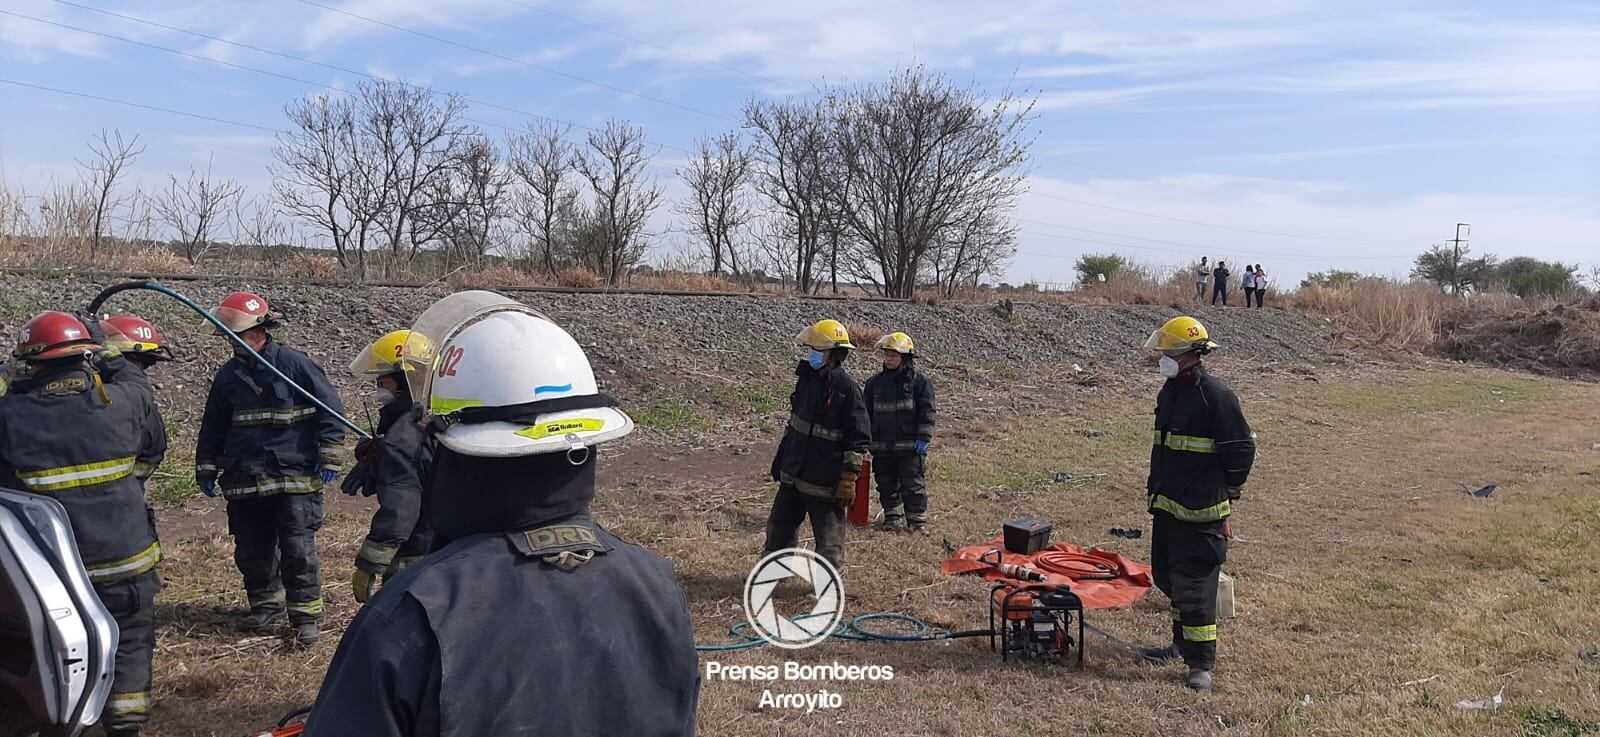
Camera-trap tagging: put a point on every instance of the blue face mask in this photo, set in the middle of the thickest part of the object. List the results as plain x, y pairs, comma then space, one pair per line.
816, 359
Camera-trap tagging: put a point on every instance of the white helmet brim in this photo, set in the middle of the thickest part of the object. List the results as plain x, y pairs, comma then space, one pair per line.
551, 433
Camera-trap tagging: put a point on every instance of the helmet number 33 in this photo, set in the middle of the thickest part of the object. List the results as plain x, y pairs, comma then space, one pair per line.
452, 358
1194, 332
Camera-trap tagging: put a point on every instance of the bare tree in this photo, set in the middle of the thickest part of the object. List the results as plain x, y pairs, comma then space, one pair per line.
256, 223
110, 155
717, 210
375, 167
320, 175
793, 150
194, 207
480, 186
541, 164
983, 242
919, 157
421, 143
624, 197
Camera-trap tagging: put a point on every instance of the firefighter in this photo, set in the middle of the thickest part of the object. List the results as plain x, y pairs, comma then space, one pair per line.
533, 618
819, 458
1201, 457
900, 402
88, 444
388, 465
137, 340
271, 453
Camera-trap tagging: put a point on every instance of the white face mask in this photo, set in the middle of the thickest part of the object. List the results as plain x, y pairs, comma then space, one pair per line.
1170, 367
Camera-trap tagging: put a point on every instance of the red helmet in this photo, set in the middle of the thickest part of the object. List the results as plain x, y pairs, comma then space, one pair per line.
242, 311
51, 335
132, 334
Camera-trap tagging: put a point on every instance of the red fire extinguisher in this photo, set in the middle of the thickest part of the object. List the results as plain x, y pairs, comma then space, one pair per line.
861, 509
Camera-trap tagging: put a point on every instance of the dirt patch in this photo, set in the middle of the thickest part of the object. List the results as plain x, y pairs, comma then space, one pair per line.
1561, 340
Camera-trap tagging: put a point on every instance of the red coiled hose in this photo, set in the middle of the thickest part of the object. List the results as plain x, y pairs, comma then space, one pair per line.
1076, 566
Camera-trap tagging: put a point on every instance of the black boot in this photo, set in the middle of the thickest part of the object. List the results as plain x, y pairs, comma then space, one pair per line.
1199, 680
306, 634
262, 619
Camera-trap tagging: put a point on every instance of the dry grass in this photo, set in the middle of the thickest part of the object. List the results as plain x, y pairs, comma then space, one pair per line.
1361, 566
578, 278
498, 275
680, 281
1378, 313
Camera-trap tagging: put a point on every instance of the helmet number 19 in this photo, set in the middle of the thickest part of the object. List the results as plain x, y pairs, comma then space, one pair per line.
452, 358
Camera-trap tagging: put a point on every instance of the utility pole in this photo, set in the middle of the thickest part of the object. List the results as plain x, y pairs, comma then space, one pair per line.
1455, 262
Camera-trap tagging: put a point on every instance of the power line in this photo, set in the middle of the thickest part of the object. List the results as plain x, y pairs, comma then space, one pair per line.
129, 103
302, 60
643, 42
513, 60
1224, 227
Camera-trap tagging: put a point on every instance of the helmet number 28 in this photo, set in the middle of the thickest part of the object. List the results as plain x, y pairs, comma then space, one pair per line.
452, 358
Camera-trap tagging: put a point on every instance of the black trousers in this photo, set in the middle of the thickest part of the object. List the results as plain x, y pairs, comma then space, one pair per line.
901, 489
1219, 289
1249, 295
132, 602
275, 548
791, 507
1185, 559
1260, 293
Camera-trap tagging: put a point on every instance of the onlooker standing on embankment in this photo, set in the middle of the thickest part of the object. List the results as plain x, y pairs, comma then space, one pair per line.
1201, 274
1219, 283
1248, 283
1261, 285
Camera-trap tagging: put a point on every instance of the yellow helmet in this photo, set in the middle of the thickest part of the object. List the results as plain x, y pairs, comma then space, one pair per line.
897, 342
390, 353
1180, 335
825, 336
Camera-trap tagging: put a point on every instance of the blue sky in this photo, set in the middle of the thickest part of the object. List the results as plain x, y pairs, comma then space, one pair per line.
1350, 134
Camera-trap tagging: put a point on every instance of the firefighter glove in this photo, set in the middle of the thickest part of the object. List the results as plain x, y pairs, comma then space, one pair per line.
208, 487
361, 583
327, 475
922, 447
846, 492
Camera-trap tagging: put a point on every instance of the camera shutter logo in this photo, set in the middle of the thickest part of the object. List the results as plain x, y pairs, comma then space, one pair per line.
803, 630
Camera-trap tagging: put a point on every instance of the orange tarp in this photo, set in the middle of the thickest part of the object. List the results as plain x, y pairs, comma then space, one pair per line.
1127, 583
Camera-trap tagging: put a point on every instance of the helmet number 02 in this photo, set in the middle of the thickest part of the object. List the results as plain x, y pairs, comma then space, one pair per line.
452, 358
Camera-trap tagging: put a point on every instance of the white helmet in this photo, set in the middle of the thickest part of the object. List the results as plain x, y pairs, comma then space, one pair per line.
513, 383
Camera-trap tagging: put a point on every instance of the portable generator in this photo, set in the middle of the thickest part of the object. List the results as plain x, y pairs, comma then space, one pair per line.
1035, 622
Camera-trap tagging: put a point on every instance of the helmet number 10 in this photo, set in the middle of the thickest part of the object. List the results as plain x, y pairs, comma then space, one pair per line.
452, 358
